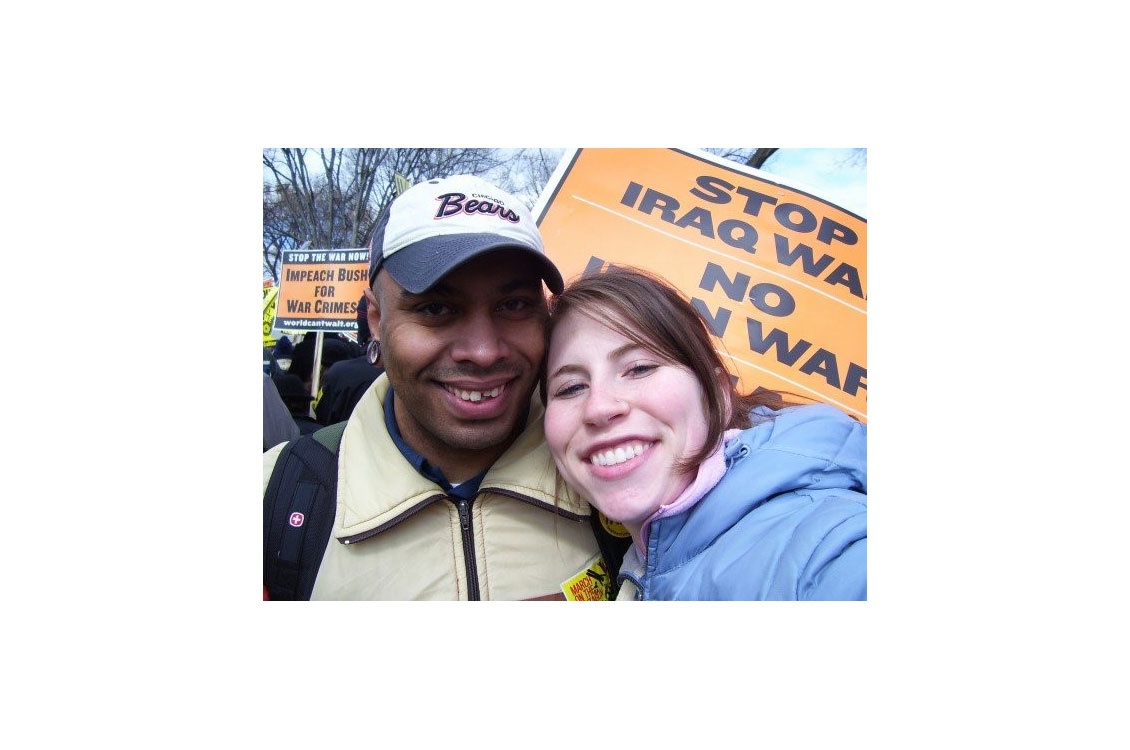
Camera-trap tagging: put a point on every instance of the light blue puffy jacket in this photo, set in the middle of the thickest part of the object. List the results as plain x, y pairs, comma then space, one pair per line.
788, 520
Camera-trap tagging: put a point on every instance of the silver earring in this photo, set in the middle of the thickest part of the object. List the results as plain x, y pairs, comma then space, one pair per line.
373, 351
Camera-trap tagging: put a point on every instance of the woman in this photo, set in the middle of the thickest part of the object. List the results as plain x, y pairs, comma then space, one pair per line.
725, 496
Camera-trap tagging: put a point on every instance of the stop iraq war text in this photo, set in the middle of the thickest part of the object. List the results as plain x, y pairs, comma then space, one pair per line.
742, 235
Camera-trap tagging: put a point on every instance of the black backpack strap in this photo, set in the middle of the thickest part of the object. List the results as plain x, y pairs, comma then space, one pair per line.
613, 540
298, 513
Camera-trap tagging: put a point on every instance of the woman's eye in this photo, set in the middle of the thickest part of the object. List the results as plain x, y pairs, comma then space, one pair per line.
640, 370
569, 390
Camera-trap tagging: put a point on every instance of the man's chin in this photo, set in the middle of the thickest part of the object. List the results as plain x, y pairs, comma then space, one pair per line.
476, 436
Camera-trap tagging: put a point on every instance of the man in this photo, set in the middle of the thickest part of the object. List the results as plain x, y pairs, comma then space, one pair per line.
445, 487
347, 381
284, 352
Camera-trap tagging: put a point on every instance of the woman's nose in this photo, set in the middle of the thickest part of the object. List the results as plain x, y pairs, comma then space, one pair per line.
604, 405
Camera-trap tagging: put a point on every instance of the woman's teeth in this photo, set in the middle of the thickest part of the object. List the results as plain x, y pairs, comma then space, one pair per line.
619, 455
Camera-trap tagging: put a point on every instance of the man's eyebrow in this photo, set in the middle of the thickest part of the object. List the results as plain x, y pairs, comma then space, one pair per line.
446, 290
523, 283
405, 297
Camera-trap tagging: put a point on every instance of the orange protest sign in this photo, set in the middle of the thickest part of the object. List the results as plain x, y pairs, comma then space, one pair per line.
779, 274
319, 289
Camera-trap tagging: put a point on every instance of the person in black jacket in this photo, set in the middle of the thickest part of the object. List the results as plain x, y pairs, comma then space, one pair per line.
335, 348
297, 400
346, 381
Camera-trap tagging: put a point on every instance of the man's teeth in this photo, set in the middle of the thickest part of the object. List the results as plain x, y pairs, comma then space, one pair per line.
475, 395
618, 456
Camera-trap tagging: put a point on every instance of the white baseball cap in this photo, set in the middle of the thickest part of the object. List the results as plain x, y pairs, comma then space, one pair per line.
439, 224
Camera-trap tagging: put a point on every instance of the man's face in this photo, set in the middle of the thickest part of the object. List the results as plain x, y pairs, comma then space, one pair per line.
463, 357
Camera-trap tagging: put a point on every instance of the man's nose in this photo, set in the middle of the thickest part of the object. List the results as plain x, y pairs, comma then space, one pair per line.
480, 341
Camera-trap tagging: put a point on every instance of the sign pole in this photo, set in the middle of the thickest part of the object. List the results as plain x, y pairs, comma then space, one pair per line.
317, 374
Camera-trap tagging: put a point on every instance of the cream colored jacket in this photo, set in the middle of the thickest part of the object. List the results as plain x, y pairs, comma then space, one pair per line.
396, 535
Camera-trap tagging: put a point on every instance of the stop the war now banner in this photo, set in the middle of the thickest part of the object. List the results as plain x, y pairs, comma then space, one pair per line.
319, 289
779, 274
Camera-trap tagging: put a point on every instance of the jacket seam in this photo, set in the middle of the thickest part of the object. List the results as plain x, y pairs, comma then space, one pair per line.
456, 544
828, 462
531, 501
816, 546
363, 535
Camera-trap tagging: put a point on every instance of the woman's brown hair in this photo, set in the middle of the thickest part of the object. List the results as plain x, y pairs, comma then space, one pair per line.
647, 310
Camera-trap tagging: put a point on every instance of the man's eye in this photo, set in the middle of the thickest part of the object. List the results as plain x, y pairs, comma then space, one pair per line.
433, 309
514, 305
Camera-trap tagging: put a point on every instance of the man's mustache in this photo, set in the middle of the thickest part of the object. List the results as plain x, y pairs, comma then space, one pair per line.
474, 372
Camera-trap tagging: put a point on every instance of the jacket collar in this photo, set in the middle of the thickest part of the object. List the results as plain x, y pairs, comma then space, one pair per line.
706, 476
377, 486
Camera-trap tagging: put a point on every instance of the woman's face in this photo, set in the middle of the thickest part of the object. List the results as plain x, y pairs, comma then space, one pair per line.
618, 418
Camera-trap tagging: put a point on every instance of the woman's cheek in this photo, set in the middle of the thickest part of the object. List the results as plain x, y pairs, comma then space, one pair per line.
550, 425
555, 433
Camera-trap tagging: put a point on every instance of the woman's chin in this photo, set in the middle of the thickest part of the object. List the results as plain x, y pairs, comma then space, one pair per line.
620, 512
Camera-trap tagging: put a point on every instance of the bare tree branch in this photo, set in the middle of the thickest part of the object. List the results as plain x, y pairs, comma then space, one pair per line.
333, 201
759, 156
856, 158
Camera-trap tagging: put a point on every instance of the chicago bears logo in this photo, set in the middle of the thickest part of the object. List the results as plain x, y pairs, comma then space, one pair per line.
454, 203
297, 519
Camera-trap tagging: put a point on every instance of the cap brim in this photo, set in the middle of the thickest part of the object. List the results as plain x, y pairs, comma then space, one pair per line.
420, 265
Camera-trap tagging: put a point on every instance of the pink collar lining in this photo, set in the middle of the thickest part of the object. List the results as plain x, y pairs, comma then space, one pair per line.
709, 473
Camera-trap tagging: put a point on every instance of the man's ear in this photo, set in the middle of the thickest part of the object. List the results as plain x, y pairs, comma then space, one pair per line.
373, 314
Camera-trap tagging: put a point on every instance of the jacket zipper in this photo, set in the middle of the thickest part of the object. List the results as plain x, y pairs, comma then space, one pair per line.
629, 578
469, 550
465, 524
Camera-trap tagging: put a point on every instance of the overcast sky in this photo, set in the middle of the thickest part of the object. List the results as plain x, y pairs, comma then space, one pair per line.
832, 172
838, 175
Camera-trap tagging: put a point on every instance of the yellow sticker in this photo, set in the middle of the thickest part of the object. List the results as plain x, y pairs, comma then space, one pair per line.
613, 528
590, 585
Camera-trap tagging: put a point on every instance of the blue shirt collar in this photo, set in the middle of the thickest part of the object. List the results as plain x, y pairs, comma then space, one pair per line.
465, 491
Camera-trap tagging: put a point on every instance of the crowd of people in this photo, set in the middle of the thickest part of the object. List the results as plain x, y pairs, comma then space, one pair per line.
485, 442
344, 377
